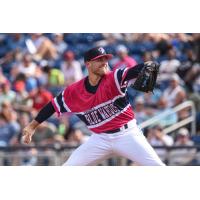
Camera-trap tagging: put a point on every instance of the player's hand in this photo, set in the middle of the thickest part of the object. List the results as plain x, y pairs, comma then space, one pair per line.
28, 132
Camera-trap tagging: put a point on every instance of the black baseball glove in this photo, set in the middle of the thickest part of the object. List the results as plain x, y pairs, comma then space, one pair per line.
146, 79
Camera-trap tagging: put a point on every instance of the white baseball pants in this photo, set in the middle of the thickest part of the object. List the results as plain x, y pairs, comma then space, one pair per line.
129, 143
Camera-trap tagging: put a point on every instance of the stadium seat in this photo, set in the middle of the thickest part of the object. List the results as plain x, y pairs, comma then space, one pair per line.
196, 139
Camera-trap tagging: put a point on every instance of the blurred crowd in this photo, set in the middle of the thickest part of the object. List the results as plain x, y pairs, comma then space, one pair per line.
36, 67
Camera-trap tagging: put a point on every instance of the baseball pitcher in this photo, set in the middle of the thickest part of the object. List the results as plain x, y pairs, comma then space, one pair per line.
100, 101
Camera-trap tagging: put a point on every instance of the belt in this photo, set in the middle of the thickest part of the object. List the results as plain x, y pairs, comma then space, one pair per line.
117, 130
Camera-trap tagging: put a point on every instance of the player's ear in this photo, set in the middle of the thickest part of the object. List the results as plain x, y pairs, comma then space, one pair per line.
87, 64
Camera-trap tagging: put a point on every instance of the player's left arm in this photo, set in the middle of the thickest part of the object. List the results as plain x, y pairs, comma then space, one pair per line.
145, 74
122, 76
132, 72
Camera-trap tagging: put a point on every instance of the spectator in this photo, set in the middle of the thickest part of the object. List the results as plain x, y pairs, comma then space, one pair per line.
182, 156
151, 99
55, 76
26, 67
46, 134
109, 39
64, 124
184, 70
71, 68
162, 109
163, 44
10, 115
8, 112
21, 102
192, 78
124, 59
6, 94
41, 47
8, 133
55, 79
69, 131
157, 137
196, 40
60, 44
16, 41
169, 66
40, 96
175, 93
147, 56
75, 137
3, 78
141, 111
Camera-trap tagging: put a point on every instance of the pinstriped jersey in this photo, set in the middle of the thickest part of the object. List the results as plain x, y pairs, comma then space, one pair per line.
106, 109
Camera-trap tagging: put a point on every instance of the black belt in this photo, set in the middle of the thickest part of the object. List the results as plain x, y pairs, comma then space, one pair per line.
117, 130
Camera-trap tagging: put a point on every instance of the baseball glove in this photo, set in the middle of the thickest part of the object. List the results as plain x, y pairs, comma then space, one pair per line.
146, 79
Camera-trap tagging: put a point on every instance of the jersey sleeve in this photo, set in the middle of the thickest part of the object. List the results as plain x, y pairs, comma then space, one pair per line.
123, 76
60, 104
121, 82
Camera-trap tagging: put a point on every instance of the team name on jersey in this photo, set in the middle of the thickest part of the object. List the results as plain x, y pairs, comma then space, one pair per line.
100, 114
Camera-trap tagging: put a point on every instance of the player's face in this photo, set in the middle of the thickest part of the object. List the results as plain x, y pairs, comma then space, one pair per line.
99, 66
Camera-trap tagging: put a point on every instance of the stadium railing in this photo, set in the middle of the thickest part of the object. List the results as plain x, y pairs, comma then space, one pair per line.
56, 155
188, 120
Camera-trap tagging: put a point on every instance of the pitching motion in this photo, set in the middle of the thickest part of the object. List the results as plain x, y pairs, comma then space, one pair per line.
100, 101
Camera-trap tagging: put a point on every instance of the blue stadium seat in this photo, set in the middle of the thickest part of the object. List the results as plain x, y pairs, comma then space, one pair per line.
196, 139
137, 57
136, 48
79, 49
149, 46
111, 49
72, 38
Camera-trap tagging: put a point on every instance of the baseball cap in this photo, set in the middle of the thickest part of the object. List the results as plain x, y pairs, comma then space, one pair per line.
96, 53
121, 48
183, 132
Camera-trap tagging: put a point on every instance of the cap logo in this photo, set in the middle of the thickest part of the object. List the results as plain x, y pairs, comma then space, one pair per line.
101, 50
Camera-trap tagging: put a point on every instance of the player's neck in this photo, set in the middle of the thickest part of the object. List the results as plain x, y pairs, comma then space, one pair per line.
94, 80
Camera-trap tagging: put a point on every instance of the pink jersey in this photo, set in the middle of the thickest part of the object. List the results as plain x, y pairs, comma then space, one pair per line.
105, 110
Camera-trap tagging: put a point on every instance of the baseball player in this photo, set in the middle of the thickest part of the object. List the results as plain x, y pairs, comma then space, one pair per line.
100, 101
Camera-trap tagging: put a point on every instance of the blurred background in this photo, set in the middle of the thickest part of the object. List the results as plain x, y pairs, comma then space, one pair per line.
36, 67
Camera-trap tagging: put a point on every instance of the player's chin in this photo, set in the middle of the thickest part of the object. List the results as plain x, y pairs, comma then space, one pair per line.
103, 71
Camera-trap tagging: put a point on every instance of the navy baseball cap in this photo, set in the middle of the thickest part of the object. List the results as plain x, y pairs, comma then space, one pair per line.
96, 53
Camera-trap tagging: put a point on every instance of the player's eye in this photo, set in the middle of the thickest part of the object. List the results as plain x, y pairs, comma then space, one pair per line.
102, 59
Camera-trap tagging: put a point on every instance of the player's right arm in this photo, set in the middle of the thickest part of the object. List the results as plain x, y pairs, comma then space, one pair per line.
43, 115
57, 104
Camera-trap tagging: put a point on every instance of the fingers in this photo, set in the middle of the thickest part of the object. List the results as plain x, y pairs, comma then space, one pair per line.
26, 139
152, 65
26, 136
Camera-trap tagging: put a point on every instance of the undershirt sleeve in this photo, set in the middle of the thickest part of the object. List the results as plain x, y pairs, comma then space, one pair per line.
45, 112
132, 72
